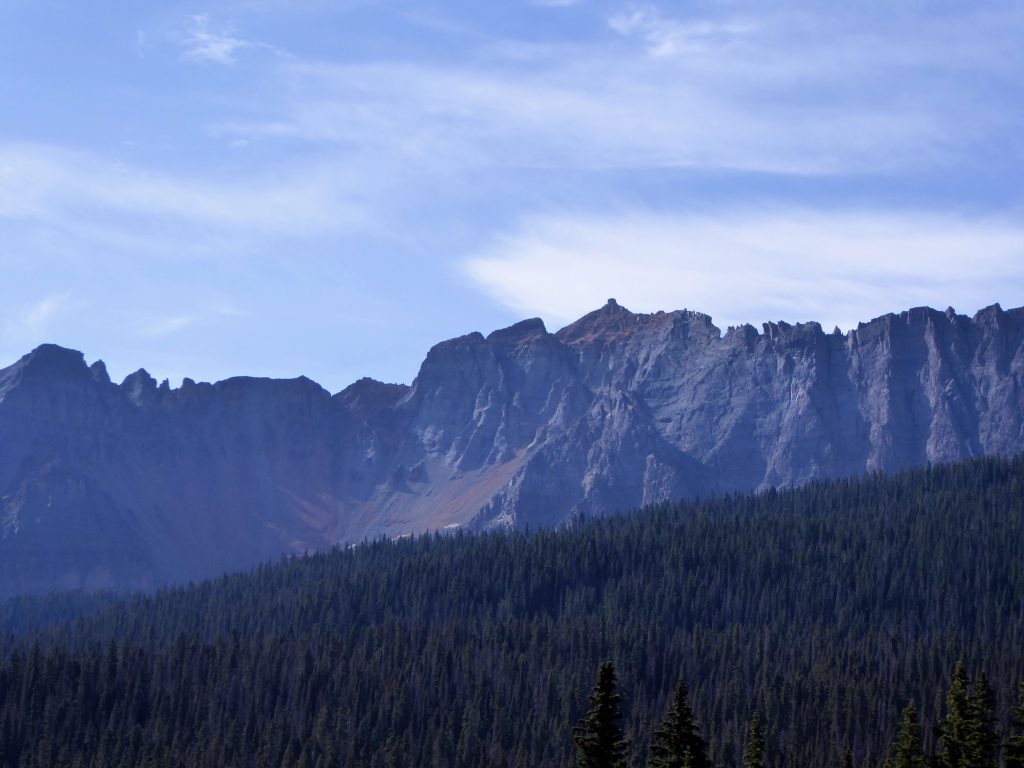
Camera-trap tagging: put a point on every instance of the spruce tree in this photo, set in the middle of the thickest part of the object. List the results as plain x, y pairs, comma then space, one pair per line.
982, 742
955, 728
599, 739
753, 753
678, 743
906, 750
847, 761
1015, 744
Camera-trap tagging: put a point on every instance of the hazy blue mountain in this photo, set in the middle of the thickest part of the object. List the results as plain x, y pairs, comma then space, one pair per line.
130, 485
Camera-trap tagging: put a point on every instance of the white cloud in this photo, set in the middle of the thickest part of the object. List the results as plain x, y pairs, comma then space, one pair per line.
799, 93
78, 189
669, 37
752, 266
201, 43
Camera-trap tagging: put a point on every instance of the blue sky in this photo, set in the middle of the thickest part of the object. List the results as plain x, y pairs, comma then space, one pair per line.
272, 187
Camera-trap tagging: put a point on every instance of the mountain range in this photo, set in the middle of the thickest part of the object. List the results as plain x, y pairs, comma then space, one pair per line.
133, 485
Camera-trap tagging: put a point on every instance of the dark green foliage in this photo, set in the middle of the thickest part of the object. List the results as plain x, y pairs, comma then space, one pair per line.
599, 740
753, 752
1015, 743
907, 750
678, 743
968, 738
956, 724
982, 743
825, 608
847, 761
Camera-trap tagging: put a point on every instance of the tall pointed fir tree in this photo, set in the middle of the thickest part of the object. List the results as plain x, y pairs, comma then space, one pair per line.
753, 753
906, 750
955, 727
599, 740
1015, 744
678, 743
982, 742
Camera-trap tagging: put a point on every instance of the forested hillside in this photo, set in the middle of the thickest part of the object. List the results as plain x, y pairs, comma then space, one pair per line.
825, 608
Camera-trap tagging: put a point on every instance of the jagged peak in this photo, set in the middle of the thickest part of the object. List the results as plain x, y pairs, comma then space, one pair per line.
784, 330
99, 372
139, 386
370, 393
471, 339
53, 360
611, 319
139, 378
520, 333
991, 311
911, 317
614, 321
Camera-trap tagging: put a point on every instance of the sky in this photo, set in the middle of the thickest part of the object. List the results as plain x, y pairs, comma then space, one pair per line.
329, 187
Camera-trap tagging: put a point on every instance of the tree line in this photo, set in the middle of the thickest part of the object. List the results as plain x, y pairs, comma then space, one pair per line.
967, 736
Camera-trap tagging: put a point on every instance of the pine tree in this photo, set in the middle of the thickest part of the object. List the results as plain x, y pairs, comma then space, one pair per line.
1015, 744
906, 750
982, 742
955, 728
599, 739
678, 743
847, 761
753, 753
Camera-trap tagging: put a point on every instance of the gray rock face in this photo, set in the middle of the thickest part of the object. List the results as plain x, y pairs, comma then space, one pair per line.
136, 485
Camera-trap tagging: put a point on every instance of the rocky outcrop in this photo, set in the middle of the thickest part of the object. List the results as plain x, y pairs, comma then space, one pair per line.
135, 485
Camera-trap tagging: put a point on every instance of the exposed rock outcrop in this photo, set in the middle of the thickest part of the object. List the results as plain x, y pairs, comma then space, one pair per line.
137, 484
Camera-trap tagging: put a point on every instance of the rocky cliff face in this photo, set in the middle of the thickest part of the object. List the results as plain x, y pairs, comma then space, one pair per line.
135, 485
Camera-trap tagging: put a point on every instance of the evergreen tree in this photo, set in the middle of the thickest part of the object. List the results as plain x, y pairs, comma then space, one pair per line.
1015, 744
955, 728
847, 761
906, 750
982, 743
753, 754
678, 743
599, 739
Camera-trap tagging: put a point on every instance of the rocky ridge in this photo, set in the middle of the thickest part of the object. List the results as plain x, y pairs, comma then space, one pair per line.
133, 485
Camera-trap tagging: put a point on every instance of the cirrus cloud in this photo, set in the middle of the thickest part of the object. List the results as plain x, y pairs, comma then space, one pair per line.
837, 268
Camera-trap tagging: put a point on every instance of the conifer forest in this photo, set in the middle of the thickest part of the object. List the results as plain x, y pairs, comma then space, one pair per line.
866, 622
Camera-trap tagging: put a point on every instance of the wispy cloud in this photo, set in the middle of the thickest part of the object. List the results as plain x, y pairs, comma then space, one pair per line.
752, 266
33, 321
38, 316
176, 323
75, 188
665, 36
799, 94
201, 42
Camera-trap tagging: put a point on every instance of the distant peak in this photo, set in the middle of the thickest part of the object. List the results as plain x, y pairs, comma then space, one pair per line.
139, 387
521, 332
53, 360
610, 320
612, 306
372, 394
99, 372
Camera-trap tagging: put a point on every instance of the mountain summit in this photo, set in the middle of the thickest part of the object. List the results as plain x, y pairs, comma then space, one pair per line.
138, 484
